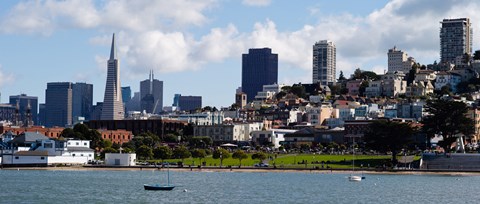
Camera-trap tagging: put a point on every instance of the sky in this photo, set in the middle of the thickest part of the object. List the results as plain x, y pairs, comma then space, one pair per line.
195, 46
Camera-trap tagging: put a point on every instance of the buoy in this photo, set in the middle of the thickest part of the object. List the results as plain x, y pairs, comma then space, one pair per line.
184, 190
18, 169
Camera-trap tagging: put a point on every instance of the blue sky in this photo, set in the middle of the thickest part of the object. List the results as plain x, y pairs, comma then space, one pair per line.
195, 46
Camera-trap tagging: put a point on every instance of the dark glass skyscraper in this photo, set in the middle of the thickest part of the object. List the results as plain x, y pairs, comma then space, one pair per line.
259, 67
82, 100
189, 103
58, 104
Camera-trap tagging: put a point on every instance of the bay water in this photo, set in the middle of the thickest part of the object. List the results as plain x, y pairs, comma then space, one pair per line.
64, 186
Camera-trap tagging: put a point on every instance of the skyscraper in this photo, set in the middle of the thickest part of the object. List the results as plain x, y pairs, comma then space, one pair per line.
259, 67
28, 108
455, 38
151, 94
58, 104
189, 103
112, 101
126, 94
82, 100
324, 62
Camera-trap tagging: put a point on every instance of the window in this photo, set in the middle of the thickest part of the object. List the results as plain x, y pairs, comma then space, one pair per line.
89, 155
73, 154
42, 158
47, 145
16, 157
84, 144
81, 155
77, 143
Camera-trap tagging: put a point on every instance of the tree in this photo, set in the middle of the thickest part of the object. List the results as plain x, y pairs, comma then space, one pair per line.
144, 152
171, 138
449, 119
162, 152
181, 152
199, 153
341, 77
68, 133
411, 75
200, 142
221, 154
240, 155
390, 136
357, 74
259, 155
363, 87
476, 55
298, 90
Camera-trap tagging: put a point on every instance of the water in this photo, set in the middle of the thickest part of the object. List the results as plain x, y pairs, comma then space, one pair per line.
40, 186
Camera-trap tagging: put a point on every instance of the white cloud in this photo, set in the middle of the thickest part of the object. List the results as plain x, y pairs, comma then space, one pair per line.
5, 78
156, 35
256, 2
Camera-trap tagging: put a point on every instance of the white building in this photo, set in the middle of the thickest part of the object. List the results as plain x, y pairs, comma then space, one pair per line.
120, 159
273, 136
399, 61
269, 91
44, 151
227, 132
324, 62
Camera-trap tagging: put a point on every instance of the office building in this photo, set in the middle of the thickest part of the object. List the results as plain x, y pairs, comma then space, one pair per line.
58, 104
126, 94
82, 101
27, 109
455, 39
324, 62
189, 103
151, 95
259, 67
112, 101
399, 61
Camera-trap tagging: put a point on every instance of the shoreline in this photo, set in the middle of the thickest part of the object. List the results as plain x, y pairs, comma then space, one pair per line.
252, 170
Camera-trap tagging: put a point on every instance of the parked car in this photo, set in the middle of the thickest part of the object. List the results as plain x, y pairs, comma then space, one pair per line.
261, 165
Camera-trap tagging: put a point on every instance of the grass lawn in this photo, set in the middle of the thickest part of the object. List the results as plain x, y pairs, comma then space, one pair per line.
295, 161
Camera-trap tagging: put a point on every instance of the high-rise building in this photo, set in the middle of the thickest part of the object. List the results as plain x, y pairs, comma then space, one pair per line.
126, 94
151, 94
455, 39
324, 62
112, 101
41, 114
82, 101
399, 61
259, 67
189, 103
28, 108
58, 104
176, 99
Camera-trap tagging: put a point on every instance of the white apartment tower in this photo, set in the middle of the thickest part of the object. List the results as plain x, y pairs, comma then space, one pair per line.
399, 61
112, 101
324, 62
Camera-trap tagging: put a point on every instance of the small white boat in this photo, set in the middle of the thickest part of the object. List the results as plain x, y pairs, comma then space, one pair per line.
355, 178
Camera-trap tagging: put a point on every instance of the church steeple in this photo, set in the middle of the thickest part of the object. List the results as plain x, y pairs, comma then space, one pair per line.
113, 51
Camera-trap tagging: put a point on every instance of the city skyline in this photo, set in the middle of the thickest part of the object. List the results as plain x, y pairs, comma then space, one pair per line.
71, 39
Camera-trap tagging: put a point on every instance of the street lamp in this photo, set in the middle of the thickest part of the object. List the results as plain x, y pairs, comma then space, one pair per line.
221, 156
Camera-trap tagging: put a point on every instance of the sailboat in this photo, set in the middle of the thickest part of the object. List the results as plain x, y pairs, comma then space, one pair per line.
353, 177
159, 187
